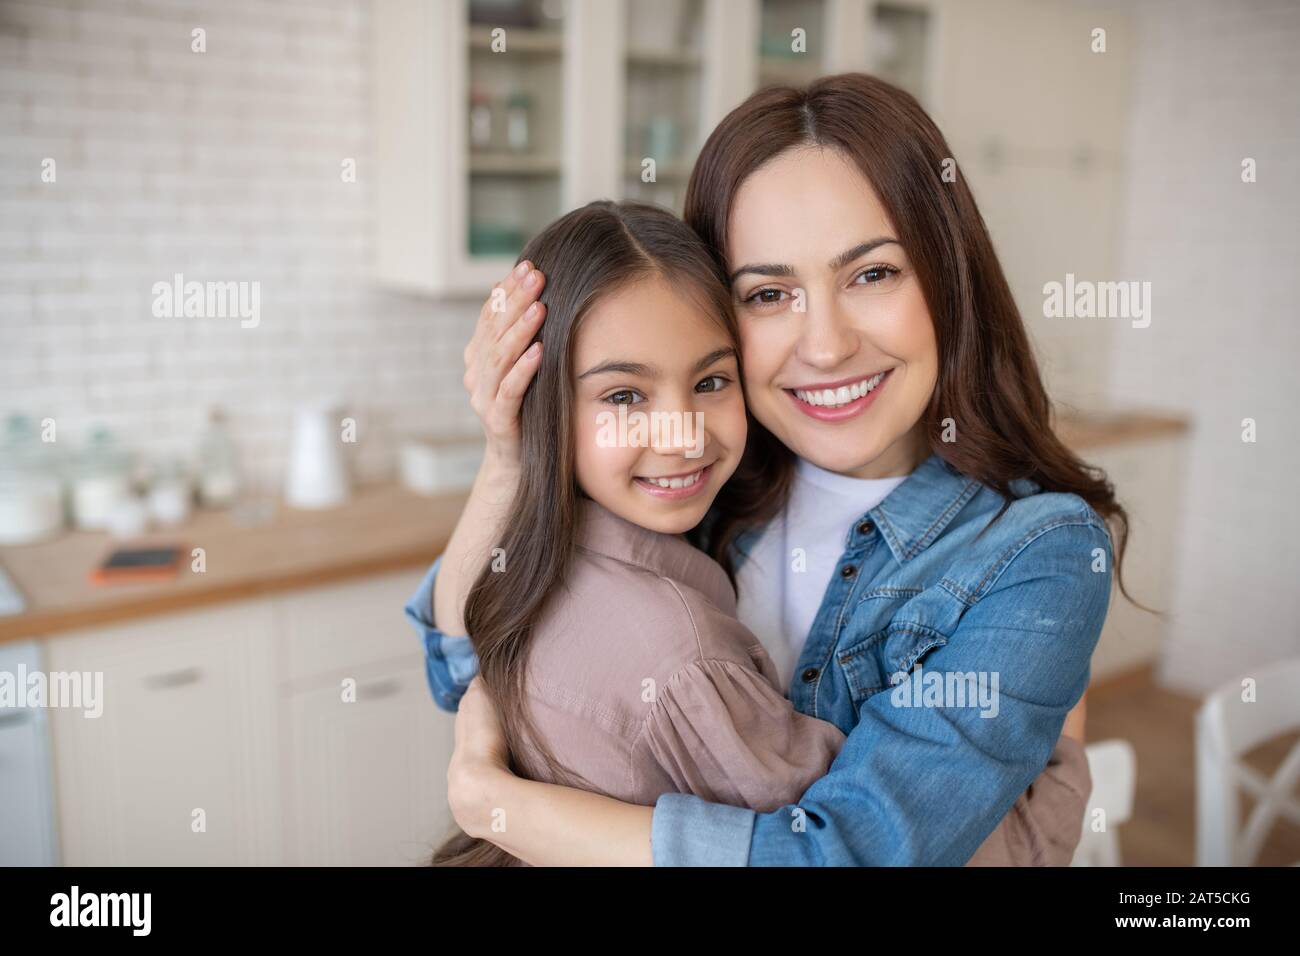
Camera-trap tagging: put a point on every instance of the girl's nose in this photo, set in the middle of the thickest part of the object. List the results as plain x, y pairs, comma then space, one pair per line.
678, 432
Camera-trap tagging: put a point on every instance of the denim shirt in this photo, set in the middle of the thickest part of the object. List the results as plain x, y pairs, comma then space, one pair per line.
949, 649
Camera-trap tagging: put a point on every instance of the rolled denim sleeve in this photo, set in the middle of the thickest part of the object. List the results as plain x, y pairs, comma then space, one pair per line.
688, 831
449, 660
926, 785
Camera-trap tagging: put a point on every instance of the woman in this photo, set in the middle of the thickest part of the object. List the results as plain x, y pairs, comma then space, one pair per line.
903, 510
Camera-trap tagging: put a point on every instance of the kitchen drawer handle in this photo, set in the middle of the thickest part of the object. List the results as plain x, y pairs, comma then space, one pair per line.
379, 689
10, 717
176, 678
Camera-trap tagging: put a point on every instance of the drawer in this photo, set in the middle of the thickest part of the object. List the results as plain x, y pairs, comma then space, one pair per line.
336, 630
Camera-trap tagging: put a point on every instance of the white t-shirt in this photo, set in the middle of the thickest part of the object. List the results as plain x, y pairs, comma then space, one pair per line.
779, 603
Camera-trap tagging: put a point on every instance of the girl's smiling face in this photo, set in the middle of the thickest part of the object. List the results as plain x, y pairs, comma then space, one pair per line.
839, 349
658, 402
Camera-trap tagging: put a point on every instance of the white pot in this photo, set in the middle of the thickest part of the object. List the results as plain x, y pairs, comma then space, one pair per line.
318, 474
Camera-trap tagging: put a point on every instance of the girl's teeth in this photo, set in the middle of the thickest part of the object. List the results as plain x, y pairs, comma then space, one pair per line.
675, 482
834, 397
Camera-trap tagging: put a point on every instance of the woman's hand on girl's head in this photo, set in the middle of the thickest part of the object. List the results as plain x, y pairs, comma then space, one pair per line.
480, 751
498, 361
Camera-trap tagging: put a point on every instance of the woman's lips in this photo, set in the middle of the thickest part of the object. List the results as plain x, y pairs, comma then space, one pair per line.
674, 494
839, 413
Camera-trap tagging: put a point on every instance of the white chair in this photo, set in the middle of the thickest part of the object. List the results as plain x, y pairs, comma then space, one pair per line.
1113, 765
1226, 728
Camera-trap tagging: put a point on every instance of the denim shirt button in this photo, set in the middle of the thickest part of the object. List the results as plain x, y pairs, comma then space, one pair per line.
809, 675
866, 527
848, 571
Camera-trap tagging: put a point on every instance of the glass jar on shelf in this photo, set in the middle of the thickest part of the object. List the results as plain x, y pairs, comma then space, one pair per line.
480, 121
519, 122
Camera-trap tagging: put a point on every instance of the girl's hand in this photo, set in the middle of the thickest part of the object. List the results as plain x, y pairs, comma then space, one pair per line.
498, 361
480, 755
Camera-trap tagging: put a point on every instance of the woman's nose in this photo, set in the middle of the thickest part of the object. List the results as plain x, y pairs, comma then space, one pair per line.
827, 338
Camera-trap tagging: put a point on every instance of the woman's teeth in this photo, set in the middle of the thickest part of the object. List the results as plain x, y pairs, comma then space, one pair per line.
832, 397
681, 482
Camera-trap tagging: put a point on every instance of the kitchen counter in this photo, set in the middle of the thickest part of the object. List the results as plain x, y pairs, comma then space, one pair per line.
383, 528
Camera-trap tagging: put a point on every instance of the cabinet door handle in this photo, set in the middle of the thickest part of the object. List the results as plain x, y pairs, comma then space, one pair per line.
11, 717
176, 678
379, 689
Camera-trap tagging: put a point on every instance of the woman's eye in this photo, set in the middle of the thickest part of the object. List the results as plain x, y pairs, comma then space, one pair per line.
875, 274
766, 296
625, 396
714, 383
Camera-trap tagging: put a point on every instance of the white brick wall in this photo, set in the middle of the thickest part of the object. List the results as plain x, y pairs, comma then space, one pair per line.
1214, 83
223, 166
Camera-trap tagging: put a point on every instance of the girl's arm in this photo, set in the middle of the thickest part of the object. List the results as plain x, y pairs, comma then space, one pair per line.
540, 823
498, 367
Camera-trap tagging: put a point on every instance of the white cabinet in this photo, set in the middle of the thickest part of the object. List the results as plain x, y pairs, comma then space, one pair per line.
26, 792
365, 778
180, 766
366, 749
226, 736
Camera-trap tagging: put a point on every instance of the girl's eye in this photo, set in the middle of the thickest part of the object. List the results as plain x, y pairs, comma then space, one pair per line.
766, 296
714, 383
875, 274
624, 396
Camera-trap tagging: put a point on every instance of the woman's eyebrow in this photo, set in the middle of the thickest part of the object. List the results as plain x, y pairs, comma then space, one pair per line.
712, 357
839, 262
861, 249
762, 269
623, 368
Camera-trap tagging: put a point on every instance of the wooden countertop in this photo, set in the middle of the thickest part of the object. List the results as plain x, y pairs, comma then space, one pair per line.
383, 528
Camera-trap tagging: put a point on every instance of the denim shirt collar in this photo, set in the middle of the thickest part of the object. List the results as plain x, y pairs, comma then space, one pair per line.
915, 513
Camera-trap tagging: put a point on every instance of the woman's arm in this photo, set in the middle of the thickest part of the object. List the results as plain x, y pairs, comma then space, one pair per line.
498, 367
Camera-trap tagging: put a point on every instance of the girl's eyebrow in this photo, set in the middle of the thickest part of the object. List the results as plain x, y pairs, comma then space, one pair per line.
651, 371
836, 264
624, 368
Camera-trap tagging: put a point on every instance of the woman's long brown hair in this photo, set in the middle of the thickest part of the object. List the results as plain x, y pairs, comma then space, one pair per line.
585, 256
989, 383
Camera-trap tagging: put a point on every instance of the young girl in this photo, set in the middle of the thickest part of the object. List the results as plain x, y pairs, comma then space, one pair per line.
610, 643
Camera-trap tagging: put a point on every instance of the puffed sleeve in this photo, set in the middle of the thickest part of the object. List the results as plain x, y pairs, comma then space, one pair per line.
1045, 824
720, 730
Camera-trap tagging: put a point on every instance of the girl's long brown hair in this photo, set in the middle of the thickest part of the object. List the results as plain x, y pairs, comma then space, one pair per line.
585, 256
989, 382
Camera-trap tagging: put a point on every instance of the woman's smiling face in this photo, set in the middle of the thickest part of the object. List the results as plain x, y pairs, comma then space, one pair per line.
839, 351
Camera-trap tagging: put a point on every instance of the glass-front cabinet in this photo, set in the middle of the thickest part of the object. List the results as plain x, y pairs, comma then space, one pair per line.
493, 117
515, 122
663, 97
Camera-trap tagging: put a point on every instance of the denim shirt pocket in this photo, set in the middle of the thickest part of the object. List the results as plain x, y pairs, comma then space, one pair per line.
871, 663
